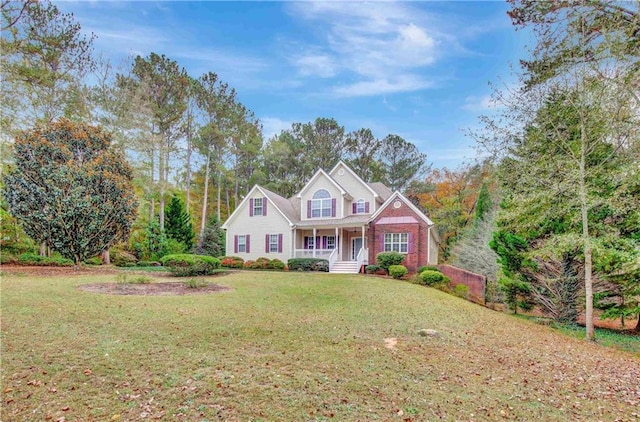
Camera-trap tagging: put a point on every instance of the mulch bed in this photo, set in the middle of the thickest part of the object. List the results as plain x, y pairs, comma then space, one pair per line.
152, 289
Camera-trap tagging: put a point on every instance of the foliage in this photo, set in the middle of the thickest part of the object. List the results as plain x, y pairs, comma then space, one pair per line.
155, 241
461, 290
196, 283
620, 297
35, 259
371, 269
516, 293
472, 251
93, 261
387, 259
70, 189
428, 267
148, 264
121, 258
125, 279
433, 278
276, 264
308, 264
401, 162
397, 271
213, 239
182, 265
484, 204
231, 262
178, 224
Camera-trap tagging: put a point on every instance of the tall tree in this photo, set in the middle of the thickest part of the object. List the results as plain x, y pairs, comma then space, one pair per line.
361, 153
43, 61
401, 161
178, 225
323, 140
71, 189
164, 87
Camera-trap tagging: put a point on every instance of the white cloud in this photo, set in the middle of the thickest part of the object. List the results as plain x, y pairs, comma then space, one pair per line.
272, 126
474, 103
321, 65
380, 47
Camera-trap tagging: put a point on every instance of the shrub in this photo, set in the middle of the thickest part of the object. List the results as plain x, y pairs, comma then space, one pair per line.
195, 283
371, 269
182, 265
432, 278
262, 263
429, 268
276, 264
251, 265
308, 264
387, 259
35, 259
123, 258
93, 261
232, 262
148, 264
397, 271
7, 258
461, 290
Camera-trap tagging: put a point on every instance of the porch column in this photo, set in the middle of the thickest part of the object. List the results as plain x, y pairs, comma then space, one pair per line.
294, 242
363, 236
314, 242
338, 245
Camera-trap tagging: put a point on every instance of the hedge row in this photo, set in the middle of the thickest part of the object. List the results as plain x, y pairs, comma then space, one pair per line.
308, 264
187, 265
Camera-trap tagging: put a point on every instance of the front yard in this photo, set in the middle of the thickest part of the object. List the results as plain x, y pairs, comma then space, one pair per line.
293, 346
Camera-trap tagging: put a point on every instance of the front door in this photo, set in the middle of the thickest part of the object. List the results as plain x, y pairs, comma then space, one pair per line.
356, 245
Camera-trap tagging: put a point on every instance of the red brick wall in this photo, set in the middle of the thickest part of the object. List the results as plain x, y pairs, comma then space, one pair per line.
475, 282
418, 232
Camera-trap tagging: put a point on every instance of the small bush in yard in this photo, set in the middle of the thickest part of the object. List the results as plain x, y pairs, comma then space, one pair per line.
428, 267
387, 259
182, 265
123, 258
195, 283
148, 264
308, 264
93, 261
35, 259
276, 264
251, 265
371, 269
432, 278
232, 262
461, 290
397, 271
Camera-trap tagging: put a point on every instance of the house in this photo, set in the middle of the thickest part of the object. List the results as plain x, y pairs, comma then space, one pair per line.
336, 216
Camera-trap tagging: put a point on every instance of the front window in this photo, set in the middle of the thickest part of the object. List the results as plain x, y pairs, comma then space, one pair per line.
273, 243
321, 204
242, 243
396, 242
331, 242
360, 207
257, 206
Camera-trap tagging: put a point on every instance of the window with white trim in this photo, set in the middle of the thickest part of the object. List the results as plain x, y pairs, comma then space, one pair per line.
321, 204
257, 206
396, 242
360, 206
331, 242
273, 243
242, 243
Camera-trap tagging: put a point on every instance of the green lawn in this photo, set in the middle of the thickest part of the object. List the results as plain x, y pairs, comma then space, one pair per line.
293, 347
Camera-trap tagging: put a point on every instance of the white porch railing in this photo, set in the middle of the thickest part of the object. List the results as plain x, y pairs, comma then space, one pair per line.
309, 253
363, 257
333, 258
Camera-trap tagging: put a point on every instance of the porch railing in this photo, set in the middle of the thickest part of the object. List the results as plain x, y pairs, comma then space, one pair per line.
333, 258
363, 257
309, 253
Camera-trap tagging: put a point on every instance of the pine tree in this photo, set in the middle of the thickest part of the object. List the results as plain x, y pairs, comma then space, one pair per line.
178, 223
213, 240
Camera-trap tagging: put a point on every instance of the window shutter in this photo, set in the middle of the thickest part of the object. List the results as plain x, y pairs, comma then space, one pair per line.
317, 242
324, 242
333, 207
354, 208
410, 247
381, 242
309, 209
264, 206
266, 243
248, 243
280, 243
366, 207
235, 244
251, 207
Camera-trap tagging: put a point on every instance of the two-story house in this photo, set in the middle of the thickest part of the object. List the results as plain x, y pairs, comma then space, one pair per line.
336, 216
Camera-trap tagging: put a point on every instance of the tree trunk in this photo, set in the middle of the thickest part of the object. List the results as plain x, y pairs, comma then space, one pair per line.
586, 241
204, 200
106, 258
161, 165
219, 193
637, 329
43, 248
189, 151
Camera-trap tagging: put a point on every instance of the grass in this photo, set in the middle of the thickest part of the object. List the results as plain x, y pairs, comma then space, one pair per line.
624, 340
294, 346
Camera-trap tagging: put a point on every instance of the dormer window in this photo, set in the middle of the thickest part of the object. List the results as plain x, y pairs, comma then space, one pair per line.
321, 204
257, 206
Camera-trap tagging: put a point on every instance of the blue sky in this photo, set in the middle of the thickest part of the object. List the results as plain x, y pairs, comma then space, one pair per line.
416, 69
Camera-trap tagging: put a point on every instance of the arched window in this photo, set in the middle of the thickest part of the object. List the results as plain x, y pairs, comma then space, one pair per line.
360, 208
321, 204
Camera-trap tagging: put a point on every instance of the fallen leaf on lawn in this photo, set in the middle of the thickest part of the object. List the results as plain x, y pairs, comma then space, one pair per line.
88, 372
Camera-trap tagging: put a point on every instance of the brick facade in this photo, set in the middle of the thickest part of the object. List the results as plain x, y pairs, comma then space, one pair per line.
418, 235
477, 283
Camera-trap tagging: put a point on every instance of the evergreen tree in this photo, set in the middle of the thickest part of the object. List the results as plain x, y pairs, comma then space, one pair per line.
213, 240
178, 223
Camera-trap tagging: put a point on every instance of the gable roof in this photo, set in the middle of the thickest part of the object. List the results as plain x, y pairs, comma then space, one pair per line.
383, 191
282, 205
398, 196
319, 173
353, 173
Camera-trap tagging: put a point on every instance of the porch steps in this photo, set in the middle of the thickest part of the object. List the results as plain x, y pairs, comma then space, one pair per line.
345, 267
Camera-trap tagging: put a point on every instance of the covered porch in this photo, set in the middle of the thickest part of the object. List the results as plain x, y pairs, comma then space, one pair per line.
345, 247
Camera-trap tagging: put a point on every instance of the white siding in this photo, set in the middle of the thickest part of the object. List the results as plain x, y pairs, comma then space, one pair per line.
258, 227
321, 182
355, 188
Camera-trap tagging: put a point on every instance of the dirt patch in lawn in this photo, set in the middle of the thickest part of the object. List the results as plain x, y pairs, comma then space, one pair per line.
56, 271
152, 289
